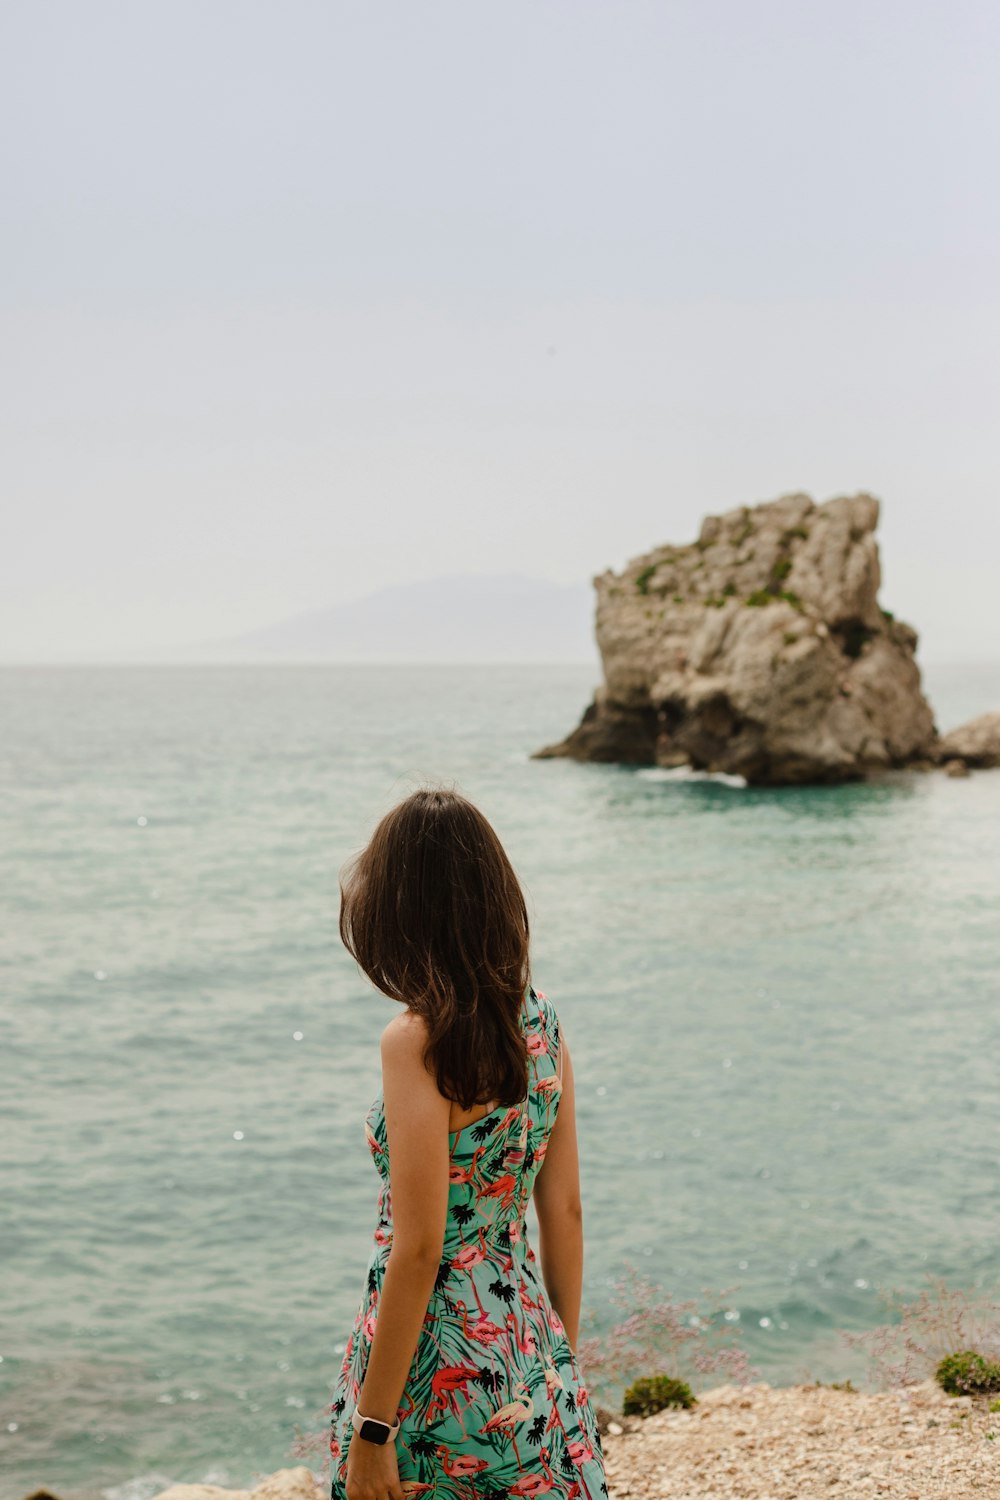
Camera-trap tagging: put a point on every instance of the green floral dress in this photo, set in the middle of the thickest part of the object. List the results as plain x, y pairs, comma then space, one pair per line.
494, 1402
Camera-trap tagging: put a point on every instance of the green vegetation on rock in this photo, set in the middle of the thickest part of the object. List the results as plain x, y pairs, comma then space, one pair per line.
651, 1393
760, 597
968, 1373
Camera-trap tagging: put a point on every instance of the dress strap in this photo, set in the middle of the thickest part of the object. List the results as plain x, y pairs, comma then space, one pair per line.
553, 1027
546, 1012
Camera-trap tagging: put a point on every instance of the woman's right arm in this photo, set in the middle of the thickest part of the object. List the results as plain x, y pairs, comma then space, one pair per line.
559, 1209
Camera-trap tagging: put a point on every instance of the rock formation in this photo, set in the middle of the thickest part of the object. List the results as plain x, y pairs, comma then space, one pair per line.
974, 744
761, 650
286, 1484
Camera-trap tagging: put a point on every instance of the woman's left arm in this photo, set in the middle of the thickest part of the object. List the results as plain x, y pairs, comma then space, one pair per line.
416, 1120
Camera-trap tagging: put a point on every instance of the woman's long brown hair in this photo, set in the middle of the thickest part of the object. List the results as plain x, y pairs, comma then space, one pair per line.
434, 914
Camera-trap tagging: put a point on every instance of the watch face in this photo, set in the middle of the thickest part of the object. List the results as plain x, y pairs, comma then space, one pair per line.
373, 1432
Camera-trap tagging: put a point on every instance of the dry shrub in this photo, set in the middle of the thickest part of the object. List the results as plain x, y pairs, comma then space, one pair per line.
661, 1336
941, 1321
312, 1447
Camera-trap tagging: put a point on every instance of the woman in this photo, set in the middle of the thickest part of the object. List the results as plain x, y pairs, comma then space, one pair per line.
460, 1377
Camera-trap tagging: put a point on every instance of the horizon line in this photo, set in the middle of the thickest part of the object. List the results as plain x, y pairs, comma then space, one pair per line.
319, 661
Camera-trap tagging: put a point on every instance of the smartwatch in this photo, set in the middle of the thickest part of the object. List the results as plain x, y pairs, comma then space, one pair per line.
371, 1429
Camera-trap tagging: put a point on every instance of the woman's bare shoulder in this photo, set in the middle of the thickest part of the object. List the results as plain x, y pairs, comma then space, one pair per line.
404, 1035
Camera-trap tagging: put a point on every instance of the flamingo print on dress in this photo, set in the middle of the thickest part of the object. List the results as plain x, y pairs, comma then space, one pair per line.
495, 1404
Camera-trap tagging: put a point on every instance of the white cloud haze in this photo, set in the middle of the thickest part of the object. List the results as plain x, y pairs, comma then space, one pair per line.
302, 300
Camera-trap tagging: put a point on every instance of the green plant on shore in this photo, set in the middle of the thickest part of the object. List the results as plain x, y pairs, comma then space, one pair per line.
927, 1331
651, 1393
642, 578
968, 1373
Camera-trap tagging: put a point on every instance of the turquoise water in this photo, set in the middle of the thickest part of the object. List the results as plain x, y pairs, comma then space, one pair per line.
783, 1007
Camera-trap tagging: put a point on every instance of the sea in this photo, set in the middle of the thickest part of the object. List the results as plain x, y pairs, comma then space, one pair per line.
783, 1007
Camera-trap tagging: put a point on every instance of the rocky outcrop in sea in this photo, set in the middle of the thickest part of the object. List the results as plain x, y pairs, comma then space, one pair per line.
761, 650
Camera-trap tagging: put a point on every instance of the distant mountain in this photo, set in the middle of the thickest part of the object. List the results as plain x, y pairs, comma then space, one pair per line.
488, 617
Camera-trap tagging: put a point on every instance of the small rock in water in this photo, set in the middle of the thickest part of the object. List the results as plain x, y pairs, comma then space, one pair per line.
976, 743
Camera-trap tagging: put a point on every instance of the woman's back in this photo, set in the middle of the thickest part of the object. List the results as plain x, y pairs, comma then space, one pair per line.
494, 1388
503, 1150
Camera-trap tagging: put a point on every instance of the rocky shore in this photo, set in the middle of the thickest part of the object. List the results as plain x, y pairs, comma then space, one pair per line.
807, 1442
761, 650
758, 1442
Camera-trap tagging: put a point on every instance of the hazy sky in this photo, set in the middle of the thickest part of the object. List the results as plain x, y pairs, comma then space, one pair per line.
300, 299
